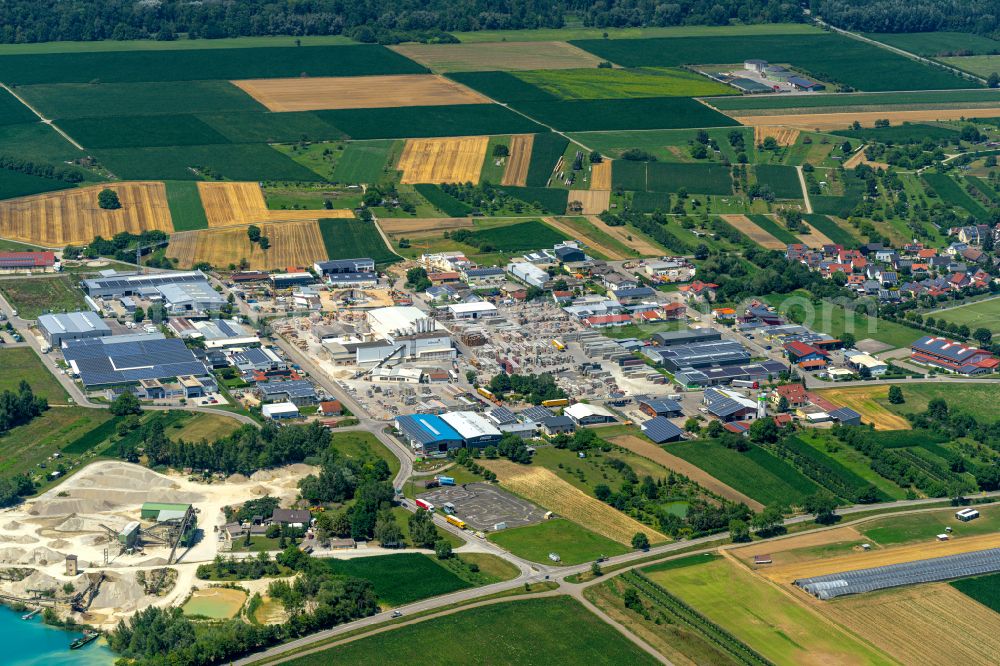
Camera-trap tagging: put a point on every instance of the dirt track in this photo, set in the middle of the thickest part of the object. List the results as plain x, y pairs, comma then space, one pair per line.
516, 171
581, 234
403, 225
829, 121
457, 160
358, 92
745, 225
681, 466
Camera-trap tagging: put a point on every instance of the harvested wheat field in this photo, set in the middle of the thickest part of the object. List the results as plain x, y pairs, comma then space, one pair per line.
859, 158
516, 171
58, 219
593, 202
877, 558
785, 136
548, 490
798, 548
293, 244
489, 56
862, 399
403, 225
230, 204
746, 226
457, 160
928, 625
658, 455
833, 121
600, 176
358, 92
572, 231
637, 242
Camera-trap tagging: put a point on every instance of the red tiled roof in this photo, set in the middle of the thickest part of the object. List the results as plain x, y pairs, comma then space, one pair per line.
26, 259
802, 349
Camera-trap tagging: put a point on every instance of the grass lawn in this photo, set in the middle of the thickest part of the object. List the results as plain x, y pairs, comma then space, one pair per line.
643, 331
359, 444
201, 426
573, 544
896, 530
976, 399
40, 295
22, 448
835, 320
762, 616
400, 579
984, 589
402, 519
186, 211
984, 314
853, 460
534, 631
755, 473
492, 567
19, 363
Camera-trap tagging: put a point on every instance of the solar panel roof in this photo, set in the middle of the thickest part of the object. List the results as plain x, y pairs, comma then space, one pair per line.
103, 361
660, 429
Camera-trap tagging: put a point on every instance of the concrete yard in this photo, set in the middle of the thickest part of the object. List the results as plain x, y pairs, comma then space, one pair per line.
482, 506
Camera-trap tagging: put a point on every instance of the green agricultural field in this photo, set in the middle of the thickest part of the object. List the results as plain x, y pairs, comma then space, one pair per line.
17, 184
364, 161
361, 445
630, 175
205, 64
254, 127
937, 43
21, 363
444, 202
836, 320
428, 121
38, 142
573, 544
695, 178
142, 132
547, 199
519, 237
347, 238
952, 193
984, 187
827, 57
552, 631
758, 613
664, 145
186, 210
63, 101
905, 133
13, 112
774, 228
40, 295
400, 579
835, 232
984, 589
983, 314
546, 150
976, 399
623, 114
614, 83
233, 162
896, 530
649, 202
503, 86
853, 460
840, 205
22, 448
980, 65
755, 473
783, 180
829, 103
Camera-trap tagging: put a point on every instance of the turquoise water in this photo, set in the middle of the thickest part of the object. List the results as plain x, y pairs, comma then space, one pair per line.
31, 643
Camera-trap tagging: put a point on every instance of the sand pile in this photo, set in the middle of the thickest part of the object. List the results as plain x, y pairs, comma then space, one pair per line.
39, 555
110, 487
19, 538
120, 590
77, 523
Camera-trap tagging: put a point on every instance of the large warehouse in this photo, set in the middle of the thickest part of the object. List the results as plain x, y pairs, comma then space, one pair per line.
56, 328
474, 429
409, 327
428, 432
953, 356
117, 285
127, 359
699, 355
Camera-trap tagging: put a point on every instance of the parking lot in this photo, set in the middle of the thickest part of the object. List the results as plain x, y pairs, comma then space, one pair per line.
482, 506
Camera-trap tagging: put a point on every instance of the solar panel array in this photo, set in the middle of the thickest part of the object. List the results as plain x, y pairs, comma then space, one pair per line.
909, 573
660, 429
101, 363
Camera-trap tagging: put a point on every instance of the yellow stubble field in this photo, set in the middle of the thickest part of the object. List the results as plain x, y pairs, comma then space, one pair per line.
455, 160
294, 244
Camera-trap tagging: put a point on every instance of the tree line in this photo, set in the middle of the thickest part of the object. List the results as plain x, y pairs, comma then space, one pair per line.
975, 16
42, 170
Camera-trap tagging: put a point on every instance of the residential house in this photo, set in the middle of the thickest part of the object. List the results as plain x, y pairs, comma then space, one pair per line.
698, 291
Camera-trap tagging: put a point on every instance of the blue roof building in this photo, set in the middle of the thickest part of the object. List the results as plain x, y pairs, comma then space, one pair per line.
428, 432
127, 359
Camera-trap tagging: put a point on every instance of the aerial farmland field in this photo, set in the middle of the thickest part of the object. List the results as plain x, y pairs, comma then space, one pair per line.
348, 238
621, 114
428, 121
617, 83
982, 314
505, 55
941, 99
296, 243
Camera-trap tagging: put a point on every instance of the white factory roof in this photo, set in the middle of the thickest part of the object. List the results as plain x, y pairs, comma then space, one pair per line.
475, 306
385, 321
470, 425
73, 322
278, 409
868, 361
582, 410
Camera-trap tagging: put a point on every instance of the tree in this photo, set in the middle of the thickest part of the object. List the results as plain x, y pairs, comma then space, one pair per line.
387, 532
994, 80
126, 404
767, 520
821, 505
138, 315
764, 431
442, 549
264, 242
783, 404
423, 533
640, 541
253, 233
714, 429
847, 340
983, 336
692, 425
896, 395
596, 157
108, 199
739, 531
595, 569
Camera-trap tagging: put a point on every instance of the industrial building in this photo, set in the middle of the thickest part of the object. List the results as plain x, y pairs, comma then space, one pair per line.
406, 332
289, 280
586, 414
428, 432
473, 310
658, 406
473, 428
112, 284
299, 392
729, 405
484, 277
529, 274
344, 266
216, 333
858, 360
755, 372
161, 511
193, 296
953, 356
28, 261
56, 328
660, 430
687, 337
259, 359
279, 410
700, 355
127, 359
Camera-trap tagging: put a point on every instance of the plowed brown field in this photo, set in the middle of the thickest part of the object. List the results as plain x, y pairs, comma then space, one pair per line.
637, 242
745, 225
681, 466
457, 160
402, 225
294, 244
859, 158
600, 176
785, 136
594, 202
489, 56
516, 171
829, 121
543, 487
229, 204
57, 219
358, 92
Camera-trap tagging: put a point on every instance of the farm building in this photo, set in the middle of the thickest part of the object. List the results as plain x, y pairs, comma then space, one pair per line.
728, 405
428, 432
755, 65
585, 414
845, 416
953, 356
473, 428
279, 410
529, 274
28, 261
127, 359
749, 86
116, 285
876, 368
660, 430
777, 73
800, 83
56, 328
